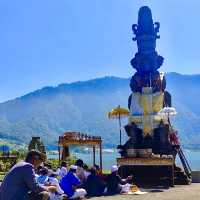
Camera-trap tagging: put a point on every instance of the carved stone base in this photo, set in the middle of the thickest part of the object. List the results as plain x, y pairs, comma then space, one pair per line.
148, 171
142, 153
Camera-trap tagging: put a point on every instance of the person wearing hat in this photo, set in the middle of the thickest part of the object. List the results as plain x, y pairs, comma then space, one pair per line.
115, 184
58, 194
70, 183
20, 180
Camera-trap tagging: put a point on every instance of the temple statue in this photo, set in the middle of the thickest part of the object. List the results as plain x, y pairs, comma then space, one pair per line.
152, 141
147, 130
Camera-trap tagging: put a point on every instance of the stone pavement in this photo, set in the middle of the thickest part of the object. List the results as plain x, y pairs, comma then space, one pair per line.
180, 192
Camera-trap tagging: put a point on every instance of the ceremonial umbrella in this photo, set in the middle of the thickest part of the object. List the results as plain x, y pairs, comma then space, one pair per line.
166, 112
118, 113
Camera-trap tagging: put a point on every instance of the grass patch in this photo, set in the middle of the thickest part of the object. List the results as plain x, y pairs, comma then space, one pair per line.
106, 171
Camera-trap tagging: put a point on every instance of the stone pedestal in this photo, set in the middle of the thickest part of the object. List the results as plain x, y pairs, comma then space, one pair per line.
151, 170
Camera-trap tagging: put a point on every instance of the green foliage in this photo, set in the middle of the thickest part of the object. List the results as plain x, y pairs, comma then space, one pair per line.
2, 174
20, 153
106, 172
55, 162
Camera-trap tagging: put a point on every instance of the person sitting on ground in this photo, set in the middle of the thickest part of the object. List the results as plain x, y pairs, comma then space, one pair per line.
37, 171
100, 174
80, 171
62, 171
70, 183
21, 179
86, 170
116, 185
94, 185
43, 176
48, 166
53, 181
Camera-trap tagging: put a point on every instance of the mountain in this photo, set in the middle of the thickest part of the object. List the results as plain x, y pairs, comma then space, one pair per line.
83, 106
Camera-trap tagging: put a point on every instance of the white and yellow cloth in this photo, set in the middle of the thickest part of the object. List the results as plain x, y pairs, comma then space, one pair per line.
144, 109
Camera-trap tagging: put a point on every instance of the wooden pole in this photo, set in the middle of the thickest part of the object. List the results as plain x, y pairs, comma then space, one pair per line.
59, 154
120, 132
94, 156
100, 153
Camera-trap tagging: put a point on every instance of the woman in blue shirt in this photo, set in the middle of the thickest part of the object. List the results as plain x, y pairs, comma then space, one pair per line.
70, 183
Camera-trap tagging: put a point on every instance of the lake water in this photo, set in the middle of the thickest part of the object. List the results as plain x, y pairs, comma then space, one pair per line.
193, 158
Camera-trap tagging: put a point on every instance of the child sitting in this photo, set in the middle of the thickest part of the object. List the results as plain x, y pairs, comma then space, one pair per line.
42, 179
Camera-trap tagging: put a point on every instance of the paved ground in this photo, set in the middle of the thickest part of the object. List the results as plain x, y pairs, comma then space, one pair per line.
183, 192
180, 192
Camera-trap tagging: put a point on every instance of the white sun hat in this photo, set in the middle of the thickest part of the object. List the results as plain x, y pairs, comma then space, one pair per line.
73, 167
114, 168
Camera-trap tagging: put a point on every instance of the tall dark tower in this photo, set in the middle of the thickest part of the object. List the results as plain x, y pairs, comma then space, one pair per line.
149, 128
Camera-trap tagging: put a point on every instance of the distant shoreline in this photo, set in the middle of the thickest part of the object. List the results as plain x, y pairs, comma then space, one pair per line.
86, 151
106, 151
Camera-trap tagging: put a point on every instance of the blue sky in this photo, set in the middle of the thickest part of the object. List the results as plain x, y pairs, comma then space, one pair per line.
47, 42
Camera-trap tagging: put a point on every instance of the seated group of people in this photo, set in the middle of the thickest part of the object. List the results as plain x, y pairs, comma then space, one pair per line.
28, 180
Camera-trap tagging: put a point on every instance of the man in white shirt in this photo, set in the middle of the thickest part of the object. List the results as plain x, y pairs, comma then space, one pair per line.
62, 171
